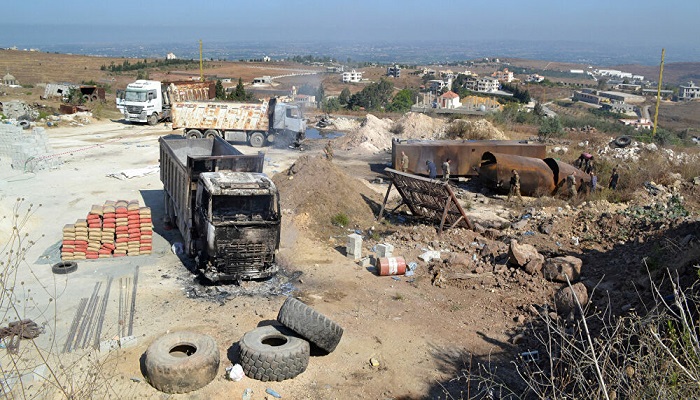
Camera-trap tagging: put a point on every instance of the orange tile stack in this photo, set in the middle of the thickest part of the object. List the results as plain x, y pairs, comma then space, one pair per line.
116, 229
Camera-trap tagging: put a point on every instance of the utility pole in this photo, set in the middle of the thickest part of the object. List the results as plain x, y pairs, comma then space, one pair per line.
201, 65
658, 93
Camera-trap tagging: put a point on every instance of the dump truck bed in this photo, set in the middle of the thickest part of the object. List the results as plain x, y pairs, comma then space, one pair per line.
183, 160
222, 116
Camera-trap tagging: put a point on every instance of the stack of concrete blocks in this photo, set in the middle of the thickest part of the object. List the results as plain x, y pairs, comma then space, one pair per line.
29, 151
115, 229
354, 247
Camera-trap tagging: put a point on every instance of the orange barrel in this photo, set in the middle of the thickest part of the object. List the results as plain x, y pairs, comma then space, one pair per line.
391, 266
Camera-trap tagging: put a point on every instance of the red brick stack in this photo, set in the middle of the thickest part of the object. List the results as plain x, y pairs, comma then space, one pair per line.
116, 229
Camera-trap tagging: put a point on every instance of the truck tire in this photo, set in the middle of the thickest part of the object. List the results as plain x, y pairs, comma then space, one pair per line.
623, 141
153, 119
310, 324
181, 362
65, 267
194, 134
257, 139
273, 353
211, 133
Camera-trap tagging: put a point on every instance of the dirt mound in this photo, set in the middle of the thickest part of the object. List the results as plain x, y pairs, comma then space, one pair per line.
315, 190
375, 134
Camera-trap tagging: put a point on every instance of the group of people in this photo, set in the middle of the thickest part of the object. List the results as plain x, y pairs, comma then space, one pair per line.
430, 167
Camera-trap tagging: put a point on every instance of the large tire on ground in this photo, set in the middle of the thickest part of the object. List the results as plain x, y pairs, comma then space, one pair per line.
623, 141
65, 267
310, 324
24, 124
153, 119
257, 139
211, 133
273, 353
181, 362
194, 134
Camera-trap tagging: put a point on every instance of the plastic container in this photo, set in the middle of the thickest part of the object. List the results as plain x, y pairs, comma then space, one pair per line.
391, 266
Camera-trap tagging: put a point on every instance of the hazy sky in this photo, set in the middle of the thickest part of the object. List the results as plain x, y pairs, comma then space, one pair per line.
654, 22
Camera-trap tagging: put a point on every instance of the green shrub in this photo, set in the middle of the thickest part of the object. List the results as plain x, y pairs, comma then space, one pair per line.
340, 219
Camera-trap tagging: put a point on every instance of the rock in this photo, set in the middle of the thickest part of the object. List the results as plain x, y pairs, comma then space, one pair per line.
565, 300
546, 228
520, 319
558, 268
429, 255
479, 270
460, 260
479, 229
525, 256
519, 225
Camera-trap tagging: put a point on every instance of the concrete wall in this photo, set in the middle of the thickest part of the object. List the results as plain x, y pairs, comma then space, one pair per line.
28, 150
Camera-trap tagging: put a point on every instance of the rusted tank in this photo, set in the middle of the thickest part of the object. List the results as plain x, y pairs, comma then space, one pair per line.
465, 155
536, 176
561, 170
391, 266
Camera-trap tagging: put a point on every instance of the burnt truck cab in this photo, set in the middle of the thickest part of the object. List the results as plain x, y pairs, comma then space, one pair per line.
236, 227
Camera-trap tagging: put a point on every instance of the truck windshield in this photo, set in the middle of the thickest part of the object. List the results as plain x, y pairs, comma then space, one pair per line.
243, 208
133, 95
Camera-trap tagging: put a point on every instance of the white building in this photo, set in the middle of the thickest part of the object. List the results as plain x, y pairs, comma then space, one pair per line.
450, 99
170, 56
503, 76
534, 78
9, 80
352, 76
689, 92
487, 84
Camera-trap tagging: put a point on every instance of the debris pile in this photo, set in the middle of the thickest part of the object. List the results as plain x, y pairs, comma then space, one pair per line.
115, 229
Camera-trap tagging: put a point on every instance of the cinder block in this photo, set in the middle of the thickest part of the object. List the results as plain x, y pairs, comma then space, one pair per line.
108, 345
127, 341
354, 247
385, 250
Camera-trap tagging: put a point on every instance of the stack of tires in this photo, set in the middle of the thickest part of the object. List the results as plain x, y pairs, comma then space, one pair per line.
276, 353
182, 362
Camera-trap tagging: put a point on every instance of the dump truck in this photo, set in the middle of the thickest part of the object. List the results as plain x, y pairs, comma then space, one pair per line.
225, 207
151, 101
255, 123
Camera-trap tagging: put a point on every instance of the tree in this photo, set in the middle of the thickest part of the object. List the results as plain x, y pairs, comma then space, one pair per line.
374, 96
539, 111
402, 101
344, 97
142, 74
550, 127
239, 93
320, 94
220, 92
330, 105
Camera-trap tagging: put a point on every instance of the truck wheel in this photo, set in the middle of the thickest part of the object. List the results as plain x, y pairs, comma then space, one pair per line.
273, 353
310, 324
257, 139
181, 362
153, 119
211, 133
194, 134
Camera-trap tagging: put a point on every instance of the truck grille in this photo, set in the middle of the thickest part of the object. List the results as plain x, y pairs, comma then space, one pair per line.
134, 109
244, 258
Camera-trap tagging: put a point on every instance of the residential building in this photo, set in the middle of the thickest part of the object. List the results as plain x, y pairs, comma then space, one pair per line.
170, 56
352, 76
487, 84
394, 71
640, 123
305, 100
503, 76
587, 96
436, 85
534, 78
449, 99
621, 108
689, 92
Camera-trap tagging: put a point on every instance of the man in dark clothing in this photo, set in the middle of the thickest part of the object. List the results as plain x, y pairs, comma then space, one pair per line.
432, 171
613, 179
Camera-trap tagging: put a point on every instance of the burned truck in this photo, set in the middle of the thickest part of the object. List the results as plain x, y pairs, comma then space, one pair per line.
226, 209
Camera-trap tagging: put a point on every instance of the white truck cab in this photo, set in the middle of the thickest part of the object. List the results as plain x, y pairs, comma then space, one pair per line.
143, 102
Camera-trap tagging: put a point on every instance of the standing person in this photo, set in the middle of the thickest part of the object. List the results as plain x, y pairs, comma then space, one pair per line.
613, 179
589, 165
594, 181
432, 171
404, 162
446, 170
571, 185
328, 150
514, 186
